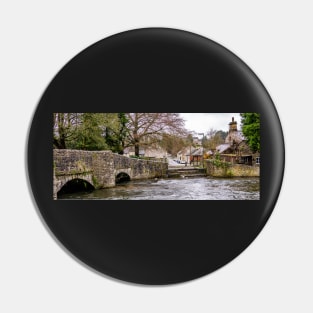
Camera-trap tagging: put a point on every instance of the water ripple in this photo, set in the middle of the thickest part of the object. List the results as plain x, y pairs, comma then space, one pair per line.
201, 188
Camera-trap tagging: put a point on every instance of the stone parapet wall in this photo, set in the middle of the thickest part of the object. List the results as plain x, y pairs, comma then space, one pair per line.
224, 169
78, 162
100, 168
71, 161
139, 169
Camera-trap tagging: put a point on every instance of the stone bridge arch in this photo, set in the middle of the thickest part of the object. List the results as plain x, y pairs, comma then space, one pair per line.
61, 180
123, 175
100, 168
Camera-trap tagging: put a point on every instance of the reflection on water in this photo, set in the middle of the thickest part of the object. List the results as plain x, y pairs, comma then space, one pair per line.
202, 188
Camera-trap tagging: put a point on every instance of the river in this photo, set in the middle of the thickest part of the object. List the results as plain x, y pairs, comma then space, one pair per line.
201, 188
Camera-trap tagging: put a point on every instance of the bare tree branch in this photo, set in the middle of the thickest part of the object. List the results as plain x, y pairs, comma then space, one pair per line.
145, 128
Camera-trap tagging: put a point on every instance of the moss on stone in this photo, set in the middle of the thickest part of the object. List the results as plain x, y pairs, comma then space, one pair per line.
94, 181
229, 173
81, 166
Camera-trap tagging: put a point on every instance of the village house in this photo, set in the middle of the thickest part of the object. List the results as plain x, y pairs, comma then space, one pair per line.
154, 152
183, 156
235, 148
196, 157
193, 155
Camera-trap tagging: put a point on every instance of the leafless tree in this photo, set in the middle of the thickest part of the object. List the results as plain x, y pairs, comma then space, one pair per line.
148, 128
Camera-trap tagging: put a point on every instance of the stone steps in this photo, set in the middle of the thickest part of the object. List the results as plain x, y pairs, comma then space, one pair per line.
186, 172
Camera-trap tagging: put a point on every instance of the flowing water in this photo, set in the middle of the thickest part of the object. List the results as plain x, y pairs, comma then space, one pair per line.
201, 188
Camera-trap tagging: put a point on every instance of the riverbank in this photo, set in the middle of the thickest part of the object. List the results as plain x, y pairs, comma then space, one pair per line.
217, 168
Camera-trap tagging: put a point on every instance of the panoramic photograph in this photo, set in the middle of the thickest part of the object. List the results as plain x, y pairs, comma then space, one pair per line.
156, 156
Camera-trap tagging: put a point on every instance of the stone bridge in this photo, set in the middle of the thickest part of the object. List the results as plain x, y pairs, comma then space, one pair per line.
100, 169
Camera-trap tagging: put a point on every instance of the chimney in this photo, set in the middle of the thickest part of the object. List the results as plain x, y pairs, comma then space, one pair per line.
233, 125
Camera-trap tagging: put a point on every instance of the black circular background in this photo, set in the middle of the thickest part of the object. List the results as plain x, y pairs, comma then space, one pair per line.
155, 70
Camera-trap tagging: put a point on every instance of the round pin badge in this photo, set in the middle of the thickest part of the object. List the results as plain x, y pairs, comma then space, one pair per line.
156, 197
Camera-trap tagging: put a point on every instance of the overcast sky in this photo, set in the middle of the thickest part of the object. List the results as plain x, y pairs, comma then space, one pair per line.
203, 122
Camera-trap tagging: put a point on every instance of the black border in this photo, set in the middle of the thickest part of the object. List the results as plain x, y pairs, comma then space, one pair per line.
145, 70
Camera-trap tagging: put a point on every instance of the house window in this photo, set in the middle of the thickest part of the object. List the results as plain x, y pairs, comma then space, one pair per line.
257, 160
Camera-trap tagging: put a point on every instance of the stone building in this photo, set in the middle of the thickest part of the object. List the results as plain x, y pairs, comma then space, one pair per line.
235, 149
234, 135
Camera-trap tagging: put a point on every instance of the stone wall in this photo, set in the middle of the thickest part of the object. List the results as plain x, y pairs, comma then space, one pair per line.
100, 168
79, 163
224, 169
139, 169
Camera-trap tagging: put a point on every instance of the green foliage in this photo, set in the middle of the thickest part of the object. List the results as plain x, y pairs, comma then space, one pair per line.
94, 181
219, 163
115, 135
250, 124
225, 168
89, 131
89, 134
229, 173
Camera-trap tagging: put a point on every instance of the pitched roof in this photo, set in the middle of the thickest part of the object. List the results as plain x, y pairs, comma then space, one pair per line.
186, 150
197, 152
223, 147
